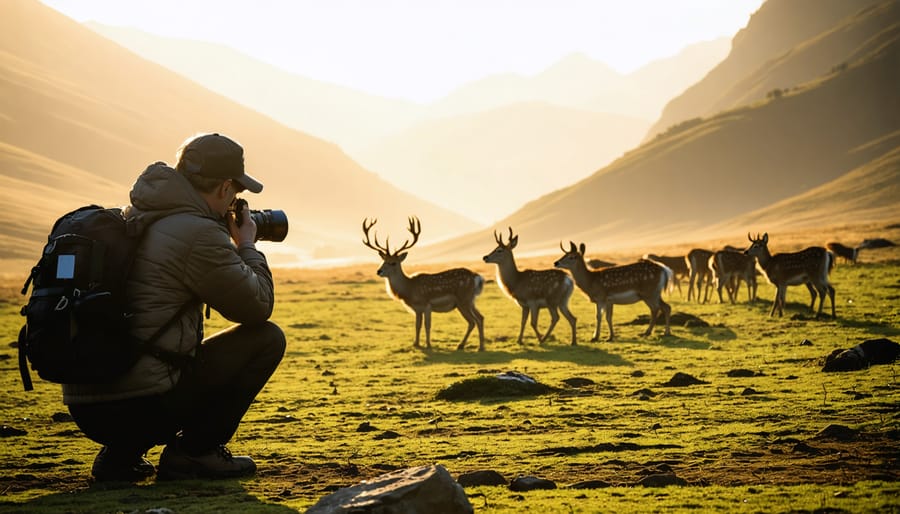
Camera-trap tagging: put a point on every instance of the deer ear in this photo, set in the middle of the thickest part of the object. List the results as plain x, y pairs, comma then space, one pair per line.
402, 257
581, 249
766, 237
513, 242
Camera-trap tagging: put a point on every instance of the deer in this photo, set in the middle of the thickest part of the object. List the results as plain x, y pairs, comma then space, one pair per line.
532, 289
848, 254
677, 264
810, 266
729, 268
698, 264
424, 293
626, 284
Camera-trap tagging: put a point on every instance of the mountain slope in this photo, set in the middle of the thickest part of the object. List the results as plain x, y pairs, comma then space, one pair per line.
713, 170
776, 28
490, 163
73, 102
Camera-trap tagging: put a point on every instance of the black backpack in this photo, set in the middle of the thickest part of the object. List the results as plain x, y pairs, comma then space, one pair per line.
76, 329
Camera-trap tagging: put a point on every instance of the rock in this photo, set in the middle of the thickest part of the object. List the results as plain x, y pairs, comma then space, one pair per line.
8, 431
739, 373
590, 484
863, 355
62, 417
365, 426
530, 483
682, 379
837, 432
420, 490
387, 434
482, 477
661, 480
637, 373
748, 391
578, 382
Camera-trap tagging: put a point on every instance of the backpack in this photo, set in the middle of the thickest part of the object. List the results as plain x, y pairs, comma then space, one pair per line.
76, 329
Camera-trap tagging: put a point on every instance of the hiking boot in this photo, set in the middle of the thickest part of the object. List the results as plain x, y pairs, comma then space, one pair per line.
175, 464
116, 466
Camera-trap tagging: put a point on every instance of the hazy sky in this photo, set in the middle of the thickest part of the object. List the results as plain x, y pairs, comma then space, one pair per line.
422, 49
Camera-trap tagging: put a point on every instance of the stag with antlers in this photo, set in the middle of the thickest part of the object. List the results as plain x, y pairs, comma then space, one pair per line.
810, 266
424, 293
532, 289
644, 281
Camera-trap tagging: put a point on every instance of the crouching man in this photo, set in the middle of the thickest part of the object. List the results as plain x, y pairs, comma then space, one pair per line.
193, 253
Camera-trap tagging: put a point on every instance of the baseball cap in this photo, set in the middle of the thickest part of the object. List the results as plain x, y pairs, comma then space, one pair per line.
216, 156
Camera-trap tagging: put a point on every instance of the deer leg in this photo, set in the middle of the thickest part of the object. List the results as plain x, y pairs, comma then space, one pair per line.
427, 328
831, 295
534, 323
691, 285
609, 313
554, 318
735, 288
522, 326
469, 317
479, 320
418, 328
654, 310
812, 294
596, 336
571, 318
667, 310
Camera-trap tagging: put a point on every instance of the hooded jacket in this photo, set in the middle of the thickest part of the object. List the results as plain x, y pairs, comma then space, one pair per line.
186, 255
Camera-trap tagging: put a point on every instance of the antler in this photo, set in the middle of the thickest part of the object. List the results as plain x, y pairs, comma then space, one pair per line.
415, 228
366, 226
499, 238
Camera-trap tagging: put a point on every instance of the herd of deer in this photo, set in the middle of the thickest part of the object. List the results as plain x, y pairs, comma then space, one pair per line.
644, 280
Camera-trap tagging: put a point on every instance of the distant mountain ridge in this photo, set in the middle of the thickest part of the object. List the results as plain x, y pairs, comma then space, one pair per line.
710, 177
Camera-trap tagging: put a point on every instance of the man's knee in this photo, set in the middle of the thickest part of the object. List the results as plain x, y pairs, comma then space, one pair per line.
272, 337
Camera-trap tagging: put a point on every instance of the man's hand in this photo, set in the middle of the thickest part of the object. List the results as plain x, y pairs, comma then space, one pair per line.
246, 233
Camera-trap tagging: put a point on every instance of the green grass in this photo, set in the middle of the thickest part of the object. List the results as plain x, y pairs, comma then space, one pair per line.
350, 360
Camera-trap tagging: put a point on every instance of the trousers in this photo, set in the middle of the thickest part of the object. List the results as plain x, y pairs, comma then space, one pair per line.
204, 408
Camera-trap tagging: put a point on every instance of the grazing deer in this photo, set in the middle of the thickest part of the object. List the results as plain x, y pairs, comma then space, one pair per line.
532, 289
424, 293
848, 254
626, 284
678, 265
810, 266
698, 264
729, 268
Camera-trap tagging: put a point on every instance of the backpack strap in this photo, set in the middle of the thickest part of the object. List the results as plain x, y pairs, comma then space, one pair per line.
23, 363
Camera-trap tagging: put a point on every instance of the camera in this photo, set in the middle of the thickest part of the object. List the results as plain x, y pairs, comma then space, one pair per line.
271, 224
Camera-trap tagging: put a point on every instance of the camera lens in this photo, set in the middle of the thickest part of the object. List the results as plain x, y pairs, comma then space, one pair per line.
271, 225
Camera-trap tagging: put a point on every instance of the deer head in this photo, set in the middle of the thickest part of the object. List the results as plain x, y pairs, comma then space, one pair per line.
503, 250
391, 260
572, 257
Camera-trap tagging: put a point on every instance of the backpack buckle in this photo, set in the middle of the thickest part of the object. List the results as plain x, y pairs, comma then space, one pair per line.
62, 303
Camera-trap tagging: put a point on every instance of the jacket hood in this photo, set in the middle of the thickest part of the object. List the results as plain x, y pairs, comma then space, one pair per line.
161, 191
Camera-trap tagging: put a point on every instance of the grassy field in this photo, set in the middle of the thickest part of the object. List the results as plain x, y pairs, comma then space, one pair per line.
741, 443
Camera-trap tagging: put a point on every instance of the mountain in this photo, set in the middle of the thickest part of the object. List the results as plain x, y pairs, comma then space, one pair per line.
761, 160
350, 118
778, 27
579, 82
81, 117
490, 163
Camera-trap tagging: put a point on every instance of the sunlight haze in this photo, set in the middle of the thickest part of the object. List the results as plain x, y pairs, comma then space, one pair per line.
421, 50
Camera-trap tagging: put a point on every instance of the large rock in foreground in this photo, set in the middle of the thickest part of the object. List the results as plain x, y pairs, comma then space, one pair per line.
421, 490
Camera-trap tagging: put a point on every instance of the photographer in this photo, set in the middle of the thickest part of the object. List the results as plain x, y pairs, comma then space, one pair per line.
193, 252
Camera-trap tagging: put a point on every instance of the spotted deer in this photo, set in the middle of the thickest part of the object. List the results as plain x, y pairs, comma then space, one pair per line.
532, 289
678, 265
424, 293
810, 266
730, 268
698, 264
626, 284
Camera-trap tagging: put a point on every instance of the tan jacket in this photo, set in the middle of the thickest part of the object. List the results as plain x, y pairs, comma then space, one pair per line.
186, 255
